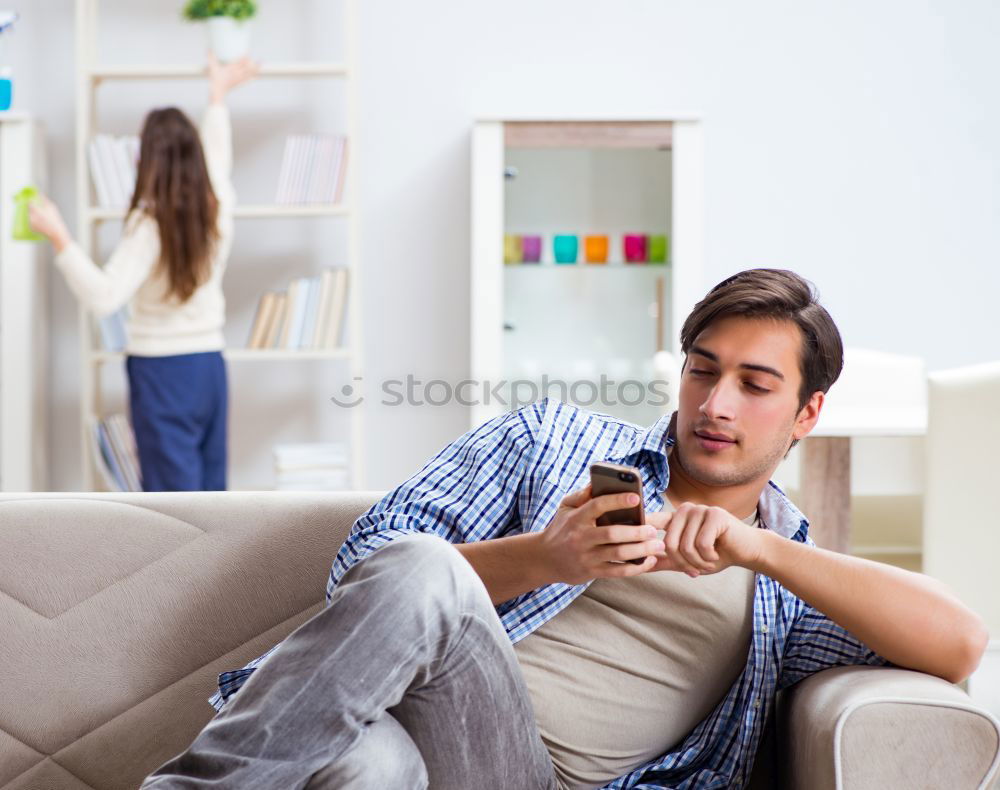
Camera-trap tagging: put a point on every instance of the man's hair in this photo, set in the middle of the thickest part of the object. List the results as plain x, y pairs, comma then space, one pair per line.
782, 295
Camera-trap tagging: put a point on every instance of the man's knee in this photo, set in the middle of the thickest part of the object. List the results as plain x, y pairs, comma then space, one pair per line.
427, 564
384, 757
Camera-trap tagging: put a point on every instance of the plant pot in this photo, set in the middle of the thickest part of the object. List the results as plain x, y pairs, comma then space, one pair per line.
229, 38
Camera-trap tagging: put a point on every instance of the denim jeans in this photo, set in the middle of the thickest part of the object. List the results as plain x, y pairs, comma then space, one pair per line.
406, 680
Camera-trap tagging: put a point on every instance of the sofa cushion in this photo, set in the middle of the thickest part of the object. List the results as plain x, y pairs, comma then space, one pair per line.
119, 610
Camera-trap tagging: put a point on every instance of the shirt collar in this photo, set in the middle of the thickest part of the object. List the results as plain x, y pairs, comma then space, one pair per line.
777, 512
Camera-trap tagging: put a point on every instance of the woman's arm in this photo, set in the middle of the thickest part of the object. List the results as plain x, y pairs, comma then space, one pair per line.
216, 131
101, 290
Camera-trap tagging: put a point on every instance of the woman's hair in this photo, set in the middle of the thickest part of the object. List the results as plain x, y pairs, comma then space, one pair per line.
781, 295
173, 186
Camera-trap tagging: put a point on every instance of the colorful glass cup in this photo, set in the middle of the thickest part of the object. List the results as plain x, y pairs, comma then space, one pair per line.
512, 248
635, 247
659, 248
565, 248
6, 93
595, 249
531, 249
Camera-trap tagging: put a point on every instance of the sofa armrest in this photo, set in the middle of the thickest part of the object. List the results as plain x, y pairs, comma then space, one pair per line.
864, 727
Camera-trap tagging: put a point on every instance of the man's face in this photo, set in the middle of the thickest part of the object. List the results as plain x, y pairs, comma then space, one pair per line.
741, 379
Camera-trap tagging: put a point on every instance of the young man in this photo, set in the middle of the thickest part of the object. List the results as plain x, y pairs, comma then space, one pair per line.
521, 652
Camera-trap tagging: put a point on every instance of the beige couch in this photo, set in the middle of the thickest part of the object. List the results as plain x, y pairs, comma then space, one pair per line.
118, 611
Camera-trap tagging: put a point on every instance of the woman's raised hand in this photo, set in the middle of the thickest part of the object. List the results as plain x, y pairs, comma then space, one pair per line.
223, 77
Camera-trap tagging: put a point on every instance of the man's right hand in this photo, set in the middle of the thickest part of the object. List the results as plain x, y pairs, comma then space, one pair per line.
576, 550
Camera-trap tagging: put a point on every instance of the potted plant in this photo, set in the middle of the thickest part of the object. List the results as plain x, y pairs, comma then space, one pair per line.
228, 25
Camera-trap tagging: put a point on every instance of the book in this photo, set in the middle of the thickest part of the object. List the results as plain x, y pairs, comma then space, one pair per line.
292, 311
285, 177
339, 304
101, 453
124, 168
309, 321
112, 329
127, 439
113, 164
341, 173
262, 318
273, 338
109, 456
124, 449
324, 310
312, 169
101, 186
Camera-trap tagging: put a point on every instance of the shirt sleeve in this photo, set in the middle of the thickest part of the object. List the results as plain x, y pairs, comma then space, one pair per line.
466, 493
104, 291
217, 143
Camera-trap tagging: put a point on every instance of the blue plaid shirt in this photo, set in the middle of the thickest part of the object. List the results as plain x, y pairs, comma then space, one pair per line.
508, 476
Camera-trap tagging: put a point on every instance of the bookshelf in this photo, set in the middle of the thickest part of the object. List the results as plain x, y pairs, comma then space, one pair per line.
23, 316
91, 74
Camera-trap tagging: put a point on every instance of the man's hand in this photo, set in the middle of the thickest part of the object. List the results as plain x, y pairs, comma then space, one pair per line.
577, 550
703, 539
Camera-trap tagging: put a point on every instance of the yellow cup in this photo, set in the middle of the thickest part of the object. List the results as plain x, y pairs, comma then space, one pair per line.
512, 248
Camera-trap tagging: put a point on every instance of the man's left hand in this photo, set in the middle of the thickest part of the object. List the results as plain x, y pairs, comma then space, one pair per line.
703, 539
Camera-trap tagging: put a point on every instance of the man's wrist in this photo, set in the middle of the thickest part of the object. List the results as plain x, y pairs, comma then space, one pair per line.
769, 544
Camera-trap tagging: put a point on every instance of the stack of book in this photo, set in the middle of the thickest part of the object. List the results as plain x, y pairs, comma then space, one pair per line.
115, 453
113, 163
319, 466
306, 316
312, 169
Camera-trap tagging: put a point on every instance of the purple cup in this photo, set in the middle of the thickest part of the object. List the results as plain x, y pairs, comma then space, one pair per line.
531, 250
635, 247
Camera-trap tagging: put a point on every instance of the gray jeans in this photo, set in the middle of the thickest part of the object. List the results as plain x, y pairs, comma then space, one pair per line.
406, 680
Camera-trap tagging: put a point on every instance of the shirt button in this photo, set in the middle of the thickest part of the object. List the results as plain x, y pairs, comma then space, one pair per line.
763, 629
756, 702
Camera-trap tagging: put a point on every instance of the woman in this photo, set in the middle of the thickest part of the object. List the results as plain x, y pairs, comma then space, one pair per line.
168, 266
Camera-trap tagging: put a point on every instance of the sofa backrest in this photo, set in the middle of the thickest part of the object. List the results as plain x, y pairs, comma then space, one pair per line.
118, 611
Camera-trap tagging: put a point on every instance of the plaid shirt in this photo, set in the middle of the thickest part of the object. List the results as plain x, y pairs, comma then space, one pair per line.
508, 476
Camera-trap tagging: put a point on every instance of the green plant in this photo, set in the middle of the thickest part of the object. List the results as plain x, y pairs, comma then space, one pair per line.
205, 9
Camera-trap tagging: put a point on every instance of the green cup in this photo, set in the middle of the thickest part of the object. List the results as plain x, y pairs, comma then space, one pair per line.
659, 248
22, 224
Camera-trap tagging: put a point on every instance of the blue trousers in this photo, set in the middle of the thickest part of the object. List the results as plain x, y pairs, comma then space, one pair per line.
180, 410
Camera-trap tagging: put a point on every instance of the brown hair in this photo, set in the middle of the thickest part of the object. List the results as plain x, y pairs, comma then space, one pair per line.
782, 295
173, 186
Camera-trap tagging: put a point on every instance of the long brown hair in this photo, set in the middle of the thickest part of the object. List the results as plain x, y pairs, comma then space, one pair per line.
173, 186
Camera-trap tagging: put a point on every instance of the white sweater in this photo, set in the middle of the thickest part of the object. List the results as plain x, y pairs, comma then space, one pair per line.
159, 325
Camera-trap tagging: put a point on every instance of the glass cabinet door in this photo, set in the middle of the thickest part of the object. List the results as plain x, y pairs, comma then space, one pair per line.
583, 302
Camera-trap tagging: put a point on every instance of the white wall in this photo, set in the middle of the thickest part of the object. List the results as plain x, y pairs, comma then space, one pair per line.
856, 143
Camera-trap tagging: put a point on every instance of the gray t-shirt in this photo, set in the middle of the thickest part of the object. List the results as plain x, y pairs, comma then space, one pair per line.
631, 666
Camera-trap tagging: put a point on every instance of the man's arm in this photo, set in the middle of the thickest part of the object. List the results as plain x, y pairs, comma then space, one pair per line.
910, 619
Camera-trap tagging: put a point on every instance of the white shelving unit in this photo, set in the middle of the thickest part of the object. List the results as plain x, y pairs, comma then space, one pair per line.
23, 316
580, 176
90, 75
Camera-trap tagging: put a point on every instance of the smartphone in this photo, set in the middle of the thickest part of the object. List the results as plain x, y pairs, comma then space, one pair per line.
608, 478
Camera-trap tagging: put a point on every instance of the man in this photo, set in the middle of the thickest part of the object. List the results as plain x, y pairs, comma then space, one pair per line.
522, 652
